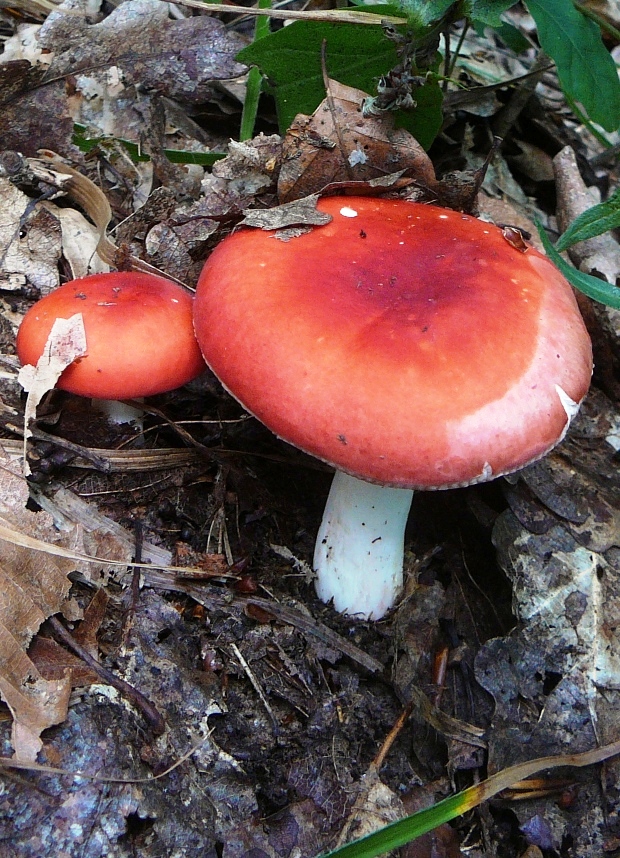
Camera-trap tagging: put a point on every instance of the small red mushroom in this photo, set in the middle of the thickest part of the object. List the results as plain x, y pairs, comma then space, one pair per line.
411, 347
139, 335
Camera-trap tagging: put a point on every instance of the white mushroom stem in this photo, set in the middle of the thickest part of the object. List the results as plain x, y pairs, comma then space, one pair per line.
119, 413
359, 550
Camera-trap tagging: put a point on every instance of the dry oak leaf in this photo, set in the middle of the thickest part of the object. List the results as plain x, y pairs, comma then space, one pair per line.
179, 59
34, 116
33, 586
338, 144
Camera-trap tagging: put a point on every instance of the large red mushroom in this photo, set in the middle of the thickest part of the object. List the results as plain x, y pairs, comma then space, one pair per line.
409, 346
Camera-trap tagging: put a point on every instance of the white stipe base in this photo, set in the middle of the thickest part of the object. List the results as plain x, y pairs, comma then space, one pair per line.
359, 550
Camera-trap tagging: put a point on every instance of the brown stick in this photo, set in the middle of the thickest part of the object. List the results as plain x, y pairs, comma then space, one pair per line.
148, 710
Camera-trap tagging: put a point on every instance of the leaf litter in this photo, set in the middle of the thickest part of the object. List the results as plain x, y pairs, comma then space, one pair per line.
287, 704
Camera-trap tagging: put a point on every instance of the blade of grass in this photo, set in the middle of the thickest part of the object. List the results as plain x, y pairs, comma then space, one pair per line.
255, 79
405, 830
176, 156
598, 290
595, 221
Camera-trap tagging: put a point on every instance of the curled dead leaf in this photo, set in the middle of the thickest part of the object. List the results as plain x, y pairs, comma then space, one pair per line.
338, 144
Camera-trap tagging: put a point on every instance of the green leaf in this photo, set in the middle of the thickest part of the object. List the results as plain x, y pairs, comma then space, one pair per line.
290, 59
598, 290
510, 36
488, 11
595, 221
424, 121
422, 13
586, 70
405, 830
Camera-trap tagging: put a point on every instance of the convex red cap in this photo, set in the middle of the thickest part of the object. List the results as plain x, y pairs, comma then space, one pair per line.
405, 344
139, 335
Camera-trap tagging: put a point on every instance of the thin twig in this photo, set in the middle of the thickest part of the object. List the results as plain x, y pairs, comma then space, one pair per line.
337, 16
256, 685
508, 115
134, 589
393, 735
143, 704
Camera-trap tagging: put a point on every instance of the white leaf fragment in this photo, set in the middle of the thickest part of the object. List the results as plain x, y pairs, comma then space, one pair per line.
65, 344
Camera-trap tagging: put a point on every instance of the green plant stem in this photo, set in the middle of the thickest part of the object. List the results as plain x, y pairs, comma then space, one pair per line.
255, 80
457, 52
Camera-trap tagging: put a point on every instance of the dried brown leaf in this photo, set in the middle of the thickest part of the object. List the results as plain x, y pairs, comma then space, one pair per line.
87, 631
30, 245
54, 661
34, 114
177, 58
298, 213
250, 167
376, 805
35, 703
207, 565
79, 243
338, 144
51, 170
138, 46
32, 588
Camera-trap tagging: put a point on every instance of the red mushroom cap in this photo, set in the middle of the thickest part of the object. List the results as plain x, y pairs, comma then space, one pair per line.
404, 344
139, 335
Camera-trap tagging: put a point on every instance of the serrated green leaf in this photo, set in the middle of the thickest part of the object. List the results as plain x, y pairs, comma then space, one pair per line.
593, 222
598, 290
290, 59
586, 70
